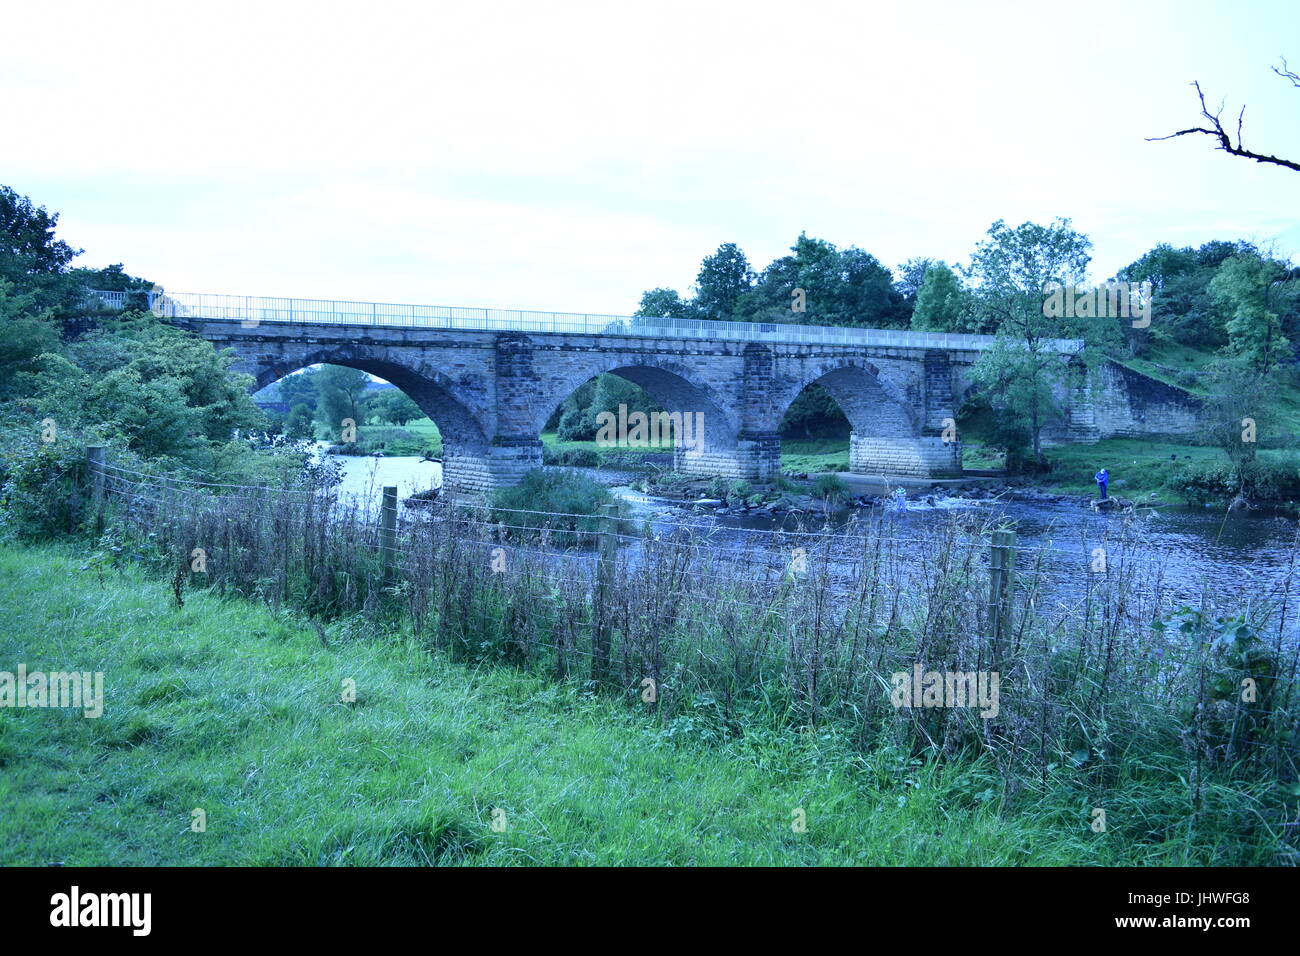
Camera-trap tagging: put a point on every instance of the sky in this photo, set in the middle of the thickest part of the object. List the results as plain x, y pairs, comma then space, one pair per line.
568, 156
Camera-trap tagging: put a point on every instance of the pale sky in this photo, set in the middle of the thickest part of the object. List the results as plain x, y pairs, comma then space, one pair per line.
568, 156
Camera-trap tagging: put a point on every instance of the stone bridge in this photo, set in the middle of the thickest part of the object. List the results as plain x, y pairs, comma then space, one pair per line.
491, 379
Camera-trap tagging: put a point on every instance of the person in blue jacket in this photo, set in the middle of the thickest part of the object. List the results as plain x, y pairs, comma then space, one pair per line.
1102, 477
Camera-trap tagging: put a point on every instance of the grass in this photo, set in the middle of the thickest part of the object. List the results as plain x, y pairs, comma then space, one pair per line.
815, 454
1166, 360
1137, 466
424, 438
226, 706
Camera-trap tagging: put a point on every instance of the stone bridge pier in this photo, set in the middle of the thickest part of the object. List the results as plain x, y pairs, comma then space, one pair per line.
491, 393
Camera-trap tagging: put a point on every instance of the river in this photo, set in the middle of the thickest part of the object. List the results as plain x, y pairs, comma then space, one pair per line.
1240, 555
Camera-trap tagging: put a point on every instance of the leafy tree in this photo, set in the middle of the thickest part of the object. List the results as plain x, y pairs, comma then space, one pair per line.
25, 334
27, 243
395, 406
300, 423
942, 303
300, 388
910, 276
156, 389
1245, 286
341, 391
1182, 308
1234, 417
1010, 270
575, 420
32, 258
664, 303
814, 414
723, 278
823, 285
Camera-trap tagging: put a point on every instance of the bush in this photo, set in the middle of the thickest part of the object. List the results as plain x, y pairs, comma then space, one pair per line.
44, 488
740, 489
570, 457
530, 508
1261, 479
831, 488
576, 425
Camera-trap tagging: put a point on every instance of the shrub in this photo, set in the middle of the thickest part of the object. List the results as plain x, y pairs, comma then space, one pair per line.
1261, 479
831, 488
575, 426
740, 489
44, 490
531, 507
571, 457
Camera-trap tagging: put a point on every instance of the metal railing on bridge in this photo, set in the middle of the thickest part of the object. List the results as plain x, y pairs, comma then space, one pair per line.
251, 310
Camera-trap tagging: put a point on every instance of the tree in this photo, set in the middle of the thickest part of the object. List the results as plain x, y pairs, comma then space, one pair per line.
341, 390
664, 303
32, 258
1182, 308
393, 405
822, 285
27, 243
814, 414
25, 334
1226, 143
300, 388
299, 424
160, 391
1010, 272
942, 302
723, 278
1233, 417
910, 276
1245, 286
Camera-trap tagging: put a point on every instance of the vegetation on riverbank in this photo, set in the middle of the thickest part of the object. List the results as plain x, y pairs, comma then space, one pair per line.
234, 708
774, 660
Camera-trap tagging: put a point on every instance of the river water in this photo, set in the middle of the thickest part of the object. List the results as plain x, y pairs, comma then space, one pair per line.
1244, 556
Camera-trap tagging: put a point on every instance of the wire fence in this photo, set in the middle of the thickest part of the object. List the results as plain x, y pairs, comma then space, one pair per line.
816, 625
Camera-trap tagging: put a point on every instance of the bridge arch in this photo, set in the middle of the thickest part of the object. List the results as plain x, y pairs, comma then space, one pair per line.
889, 431
871, 403
677, 389
465, 441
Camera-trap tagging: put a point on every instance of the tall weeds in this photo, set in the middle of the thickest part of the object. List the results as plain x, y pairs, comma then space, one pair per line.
1104, 674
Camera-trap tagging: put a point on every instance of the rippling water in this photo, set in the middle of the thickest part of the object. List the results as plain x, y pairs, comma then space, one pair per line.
1241, 556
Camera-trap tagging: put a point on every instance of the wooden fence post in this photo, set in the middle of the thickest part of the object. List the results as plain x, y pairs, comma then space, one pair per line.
98, 483
388, 531
606, 557
1002, 560
95, 462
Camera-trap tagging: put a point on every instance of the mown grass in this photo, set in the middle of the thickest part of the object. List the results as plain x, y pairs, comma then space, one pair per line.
424, 438
226, 706
815, 454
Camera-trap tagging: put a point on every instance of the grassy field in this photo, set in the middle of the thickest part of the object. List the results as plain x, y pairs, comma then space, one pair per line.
226, 706
815, 454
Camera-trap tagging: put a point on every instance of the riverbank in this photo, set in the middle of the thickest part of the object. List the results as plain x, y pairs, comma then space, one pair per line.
768, 667
228, 707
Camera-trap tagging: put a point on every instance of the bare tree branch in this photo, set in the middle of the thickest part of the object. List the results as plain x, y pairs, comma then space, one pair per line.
1225, 141
1286, 73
